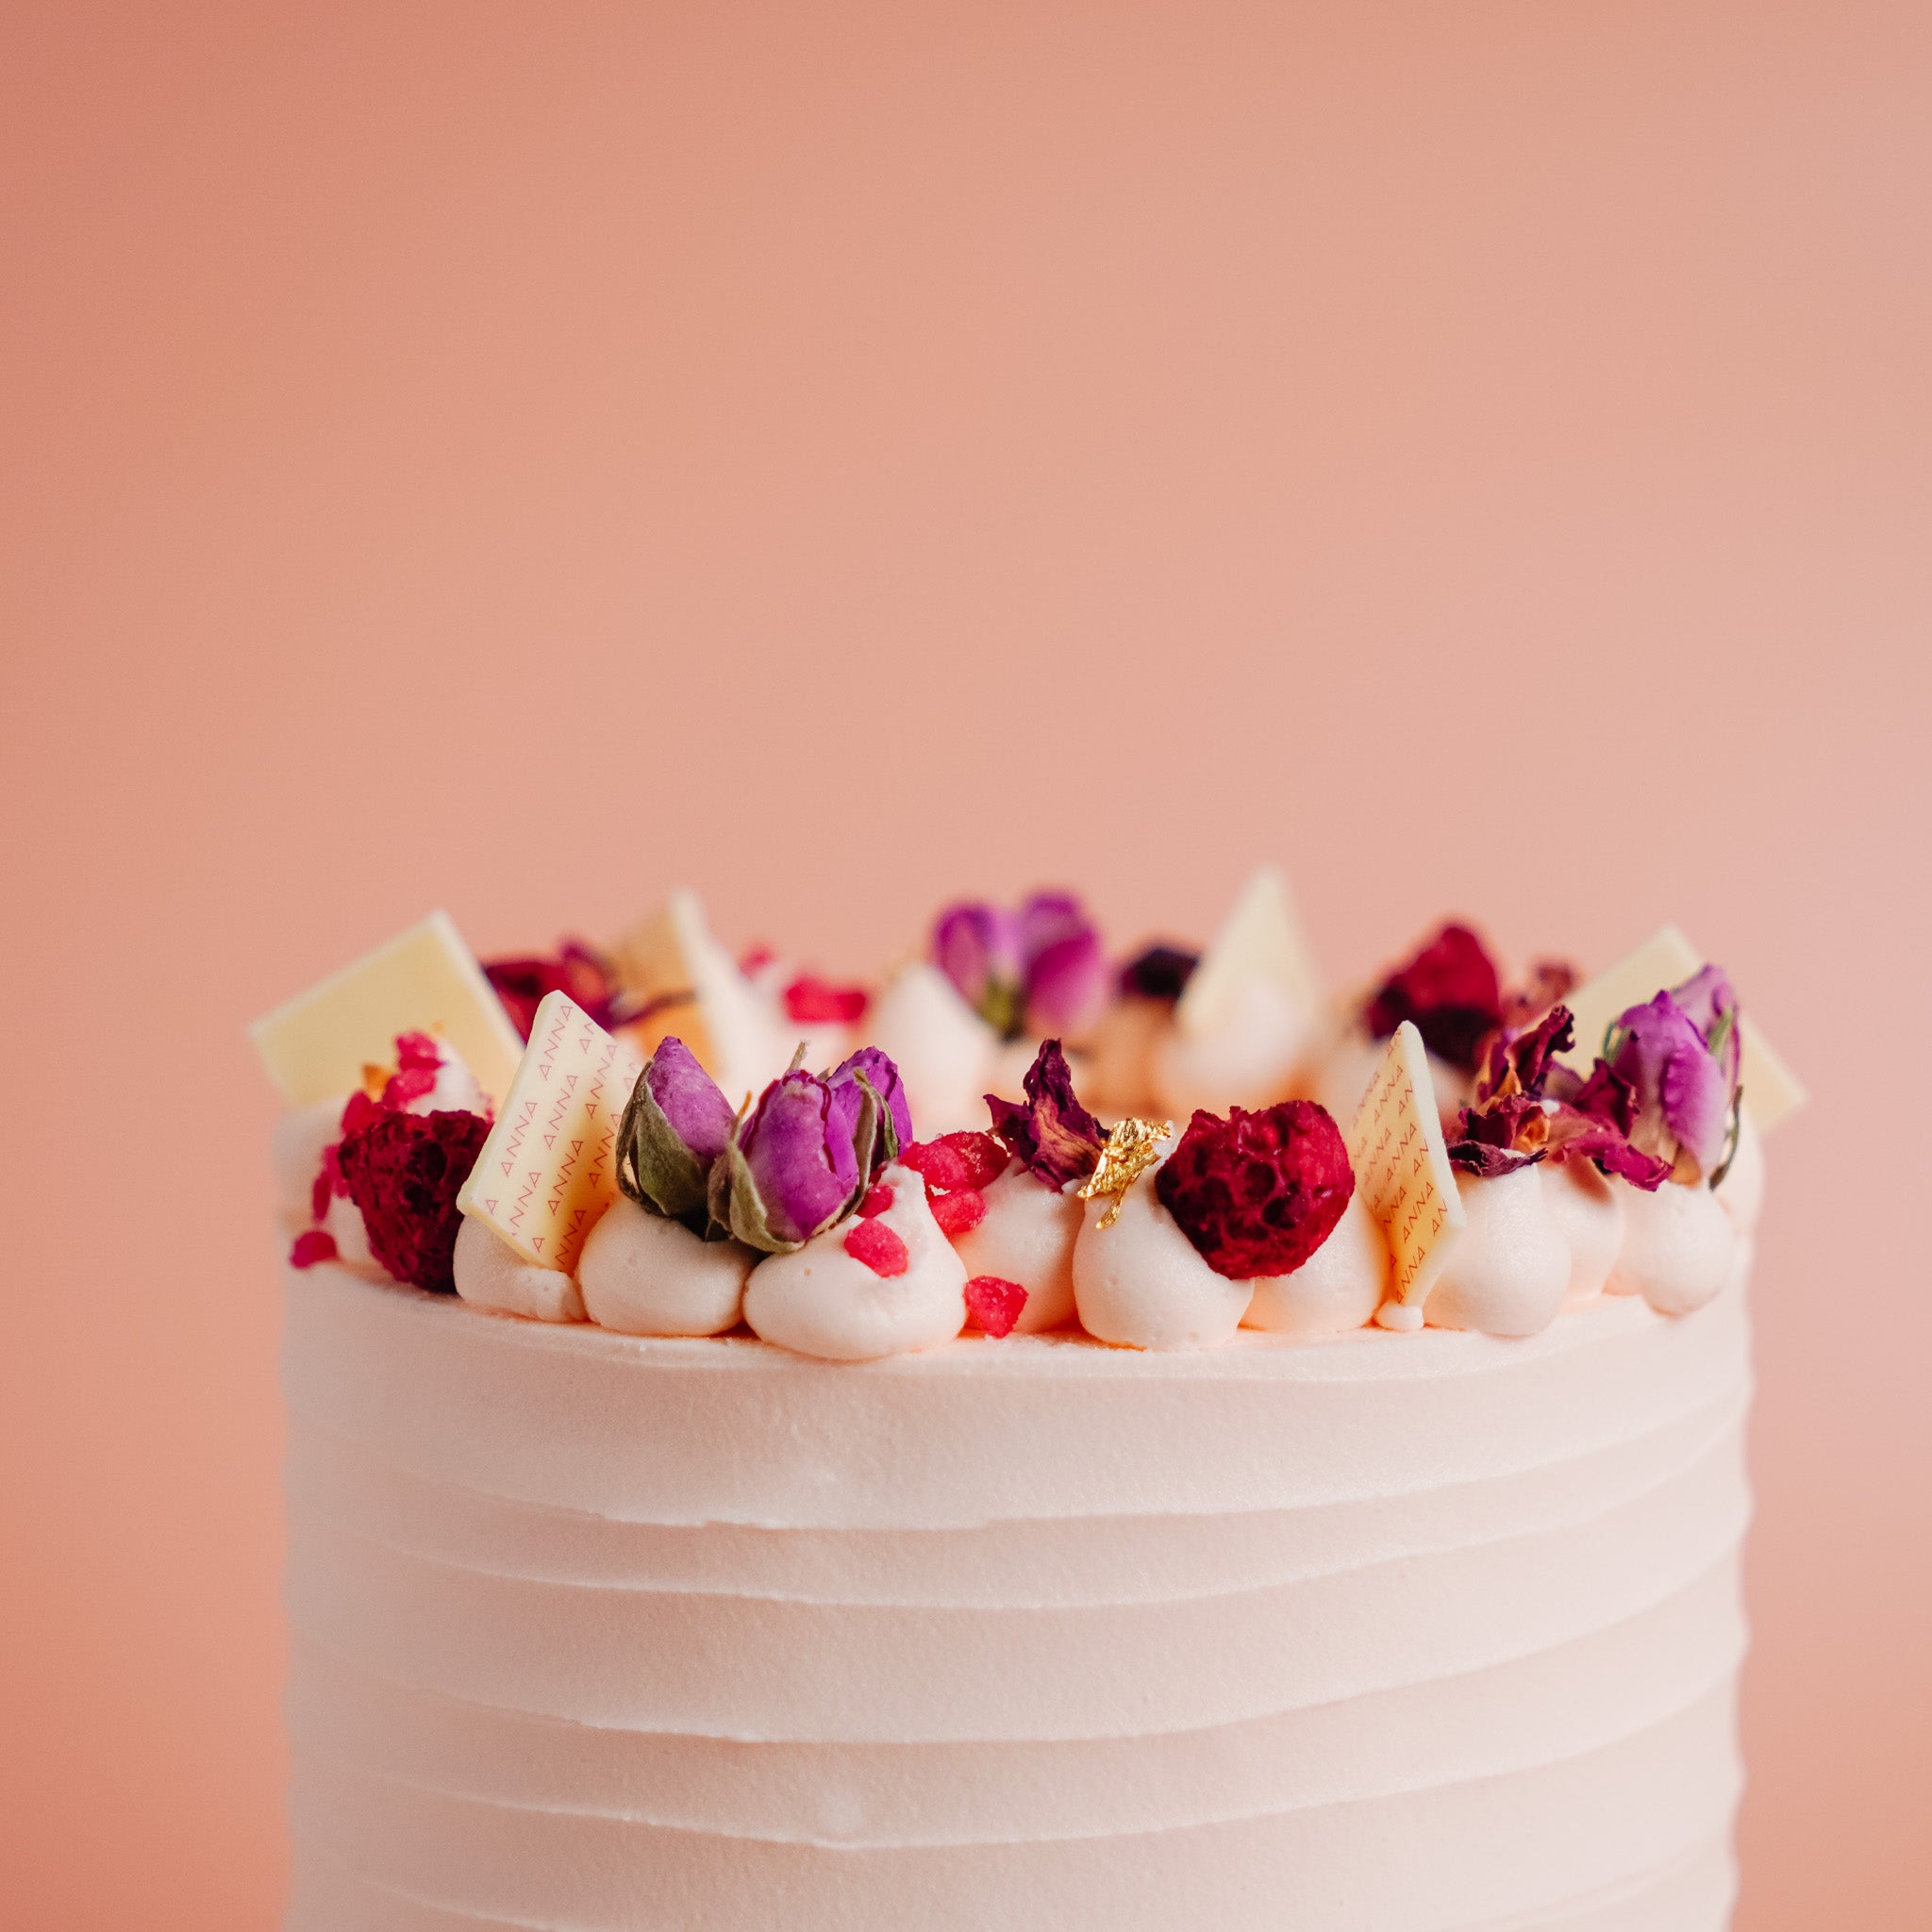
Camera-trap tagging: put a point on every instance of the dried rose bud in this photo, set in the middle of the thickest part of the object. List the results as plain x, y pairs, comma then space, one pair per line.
675, 1128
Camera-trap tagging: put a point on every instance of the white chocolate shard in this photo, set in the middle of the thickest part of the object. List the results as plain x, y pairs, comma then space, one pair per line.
1261, 940
947, 1055
1402, 1171
549, 1168
424, 980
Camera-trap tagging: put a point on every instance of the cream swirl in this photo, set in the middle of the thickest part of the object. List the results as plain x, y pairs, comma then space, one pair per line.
822, 1300
644, 1274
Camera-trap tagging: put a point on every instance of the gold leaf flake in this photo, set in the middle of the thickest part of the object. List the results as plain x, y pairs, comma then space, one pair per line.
1132, 1147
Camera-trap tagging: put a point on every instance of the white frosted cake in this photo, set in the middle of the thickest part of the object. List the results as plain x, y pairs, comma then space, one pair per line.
1243, 1551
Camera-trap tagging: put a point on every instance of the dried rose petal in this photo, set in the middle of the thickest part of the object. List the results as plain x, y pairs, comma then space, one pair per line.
810, 1001
993, 1303
1058, 1139
1258, 1194
964, 1159
1451, 991
403, 1172
523, 983
959, 1211
314, 1244
878, 1247
876, 1202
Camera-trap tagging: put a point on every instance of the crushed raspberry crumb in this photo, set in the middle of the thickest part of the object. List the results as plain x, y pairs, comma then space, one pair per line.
406, 1084
876, 1202
814, 1001
993, 1304
418, 1050
965, 1208
878, 1247
958, 1160
315, 1244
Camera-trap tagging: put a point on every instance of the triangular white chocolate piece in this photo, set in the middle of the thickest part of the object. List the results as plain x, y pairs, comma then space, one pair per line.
691, 987
1667, 959
1262, 939
1402, 1168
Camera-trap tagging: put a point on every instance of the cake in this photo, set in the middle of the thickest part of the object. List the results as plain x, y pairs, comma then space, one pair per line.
1062, 1521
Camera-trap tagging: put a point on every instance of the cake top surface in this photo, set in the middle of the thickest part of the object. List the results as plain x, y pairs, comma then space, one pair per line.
1015, 1135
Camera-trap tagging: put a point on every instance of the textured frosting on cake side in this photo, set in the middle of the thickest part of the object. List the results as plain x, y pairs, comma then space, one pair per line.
1434, 1632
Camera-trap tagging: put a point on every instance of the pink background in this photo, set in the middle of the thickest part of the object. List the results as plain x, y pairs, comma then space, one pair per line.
522, 459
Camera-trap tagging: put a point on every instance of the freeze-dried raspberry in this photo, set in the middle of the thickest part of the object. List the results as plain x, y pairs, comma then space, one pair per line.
993, 1303
878, 1247
404, 1170
1258, 1194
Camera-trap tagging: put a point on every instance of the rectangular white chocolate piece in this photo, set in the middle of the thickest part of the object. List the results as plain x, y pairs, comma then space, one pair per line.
424, 980
549, 1167
1402, 1167
1667, 959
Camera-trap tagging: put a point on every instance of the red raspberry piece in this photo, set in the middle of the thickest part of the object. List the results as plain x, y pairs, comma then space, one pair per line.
955, 1212
316, 1245
878, 1247
876, 1202
1258, 1194
958, 1160
814, 1001
993, 1304
404, 1170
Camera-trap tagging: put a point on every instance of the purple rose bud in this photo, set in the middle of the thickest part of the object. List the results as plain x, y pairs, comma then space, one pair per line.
1066, 971
1711, 1006
1683, 1097
884, 1079
977, 947
801, 1160
676, 1126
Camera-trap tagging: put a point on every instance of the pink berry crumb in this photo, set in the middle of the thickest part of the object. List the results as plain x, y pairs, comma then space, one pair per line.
876, 1202
878, 1247
993, 1304
955, 1212
312, 1245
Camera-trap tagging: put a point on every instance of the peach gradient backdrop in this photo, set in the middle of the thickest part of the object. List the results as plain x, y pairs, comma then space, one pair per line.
519, 459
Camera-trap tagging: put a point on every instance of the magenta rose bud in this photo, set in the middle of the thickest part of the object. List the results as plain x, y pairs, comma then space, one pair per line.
673, 1132
1683, 1097
977, 947
883, 1077
1066, 975
806, 1154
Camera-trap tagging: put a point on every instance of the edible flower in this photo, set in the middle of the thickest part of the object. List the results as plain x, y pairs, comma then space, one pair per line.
1453, 993
522, 983
677, 1125
1040, 968
805, 1154
1258, 1194
1679, 1055
403, 1171
1514, 1121
1058, 1139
